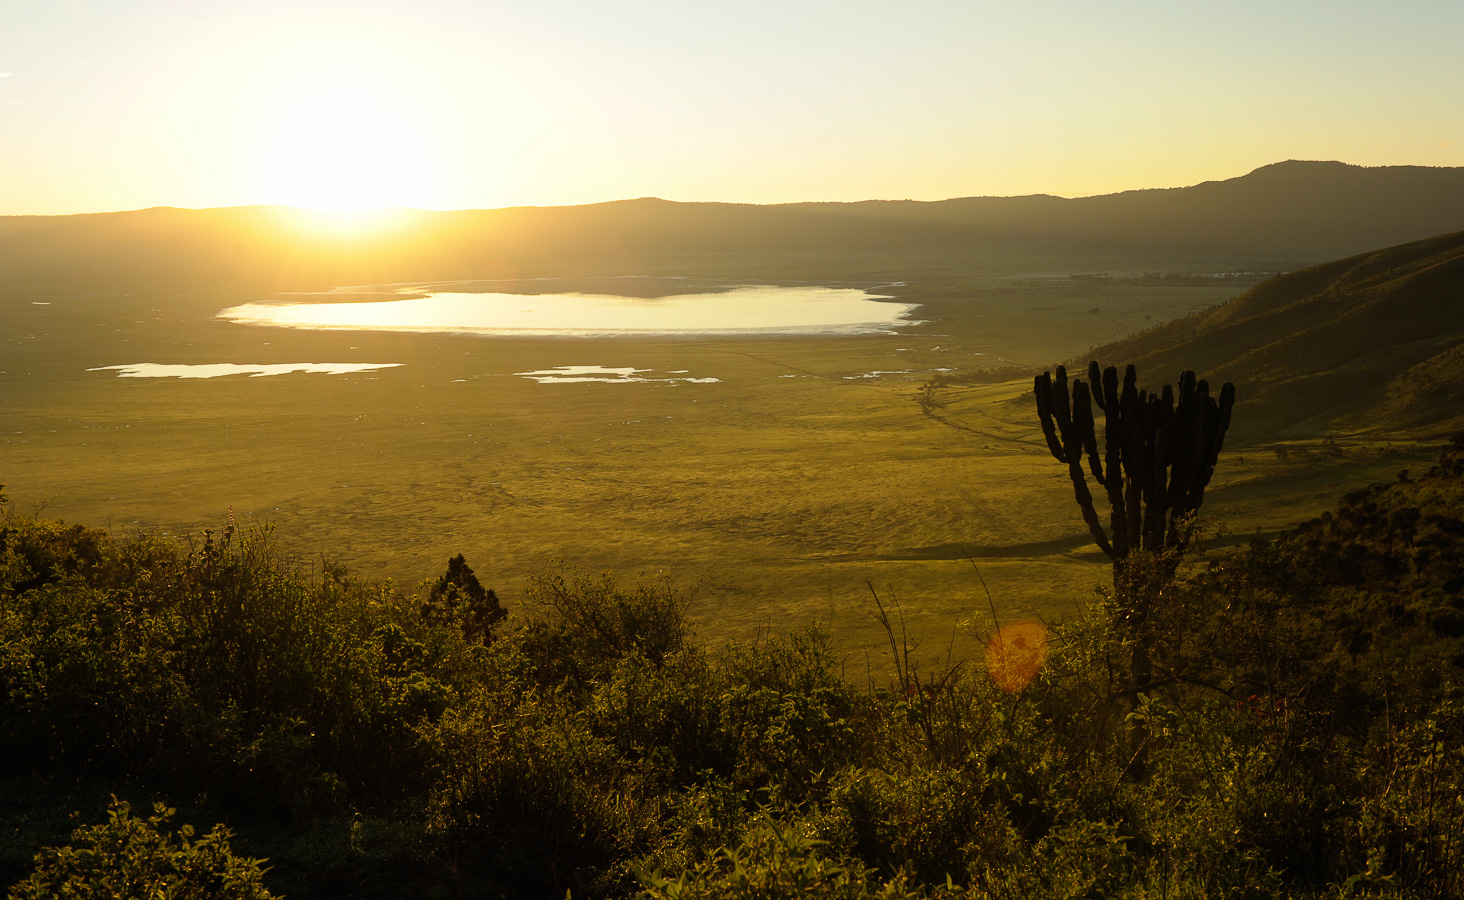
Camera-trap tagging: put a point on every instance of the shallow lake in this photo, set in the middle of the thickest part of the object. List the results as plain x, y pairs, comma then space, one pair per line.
608, 375
219, 370
742, 310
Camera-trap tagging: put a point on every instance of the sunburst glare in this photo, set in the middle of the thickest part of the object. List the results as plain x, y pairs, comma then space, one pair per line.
341, 146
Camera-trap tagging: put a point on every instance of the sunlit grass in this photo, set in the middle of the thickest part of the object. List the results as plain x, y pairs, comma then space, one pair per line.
776, 492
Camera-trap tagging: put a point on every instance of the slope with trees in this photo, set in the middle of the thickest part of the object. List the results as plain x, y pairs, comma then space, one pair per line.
1373, 342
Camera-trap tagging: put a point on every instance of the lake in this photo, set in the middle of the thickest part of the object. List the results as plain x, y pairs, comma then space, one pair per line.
749, 310
219, 370
608, 375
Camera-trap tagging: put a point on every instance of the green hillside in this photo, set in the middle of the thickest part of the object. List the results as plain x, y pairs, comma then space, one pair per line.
1371, 344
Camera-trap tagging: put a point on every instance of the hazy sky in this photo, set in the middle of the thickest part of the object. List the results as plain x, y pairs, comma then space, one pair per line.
106, 104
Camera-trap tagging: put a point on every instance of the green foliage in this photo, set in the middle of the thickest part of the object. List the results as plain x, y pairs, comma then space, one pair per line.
215, 665
772, 862
534, 798
1302, 728
128, 856
34, 553
605, 621
790, 715
930, 822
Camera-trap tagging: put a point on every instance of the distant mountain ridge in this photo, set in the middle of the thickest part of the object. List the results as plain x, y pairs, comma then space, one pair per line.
1373, 342
1290, 210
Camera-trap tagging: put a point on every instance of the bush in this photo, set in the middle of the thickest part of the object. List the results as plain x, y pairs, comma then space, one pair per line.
35, 553
773, 862
606, 621
532, 800
1302, 727
932, 823
788, 713
132, 857
221, 667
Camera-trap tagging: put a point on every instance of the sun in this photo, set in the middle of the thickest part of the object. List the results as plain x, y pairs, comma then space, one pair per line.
341, 146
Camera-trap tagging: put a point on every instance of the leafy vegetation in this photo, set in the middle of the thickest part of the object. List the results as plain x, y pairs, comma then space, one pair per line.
1303, 722
127, 856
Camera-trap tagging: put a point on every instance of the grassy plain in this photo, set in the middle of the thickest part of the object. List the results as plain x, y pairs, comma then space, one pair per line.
774, 495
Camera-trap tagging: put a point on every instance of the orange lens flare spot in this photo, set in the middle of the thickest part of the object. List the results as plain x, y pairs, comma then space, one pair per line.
1016, 654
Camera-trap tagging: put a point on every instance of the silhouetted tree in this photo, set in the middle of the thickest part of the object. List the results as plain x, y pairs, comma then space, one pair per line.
459, 596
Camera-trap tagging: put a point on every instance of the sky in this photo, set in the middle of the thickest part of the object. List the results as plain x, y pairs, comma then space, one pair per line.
449, 104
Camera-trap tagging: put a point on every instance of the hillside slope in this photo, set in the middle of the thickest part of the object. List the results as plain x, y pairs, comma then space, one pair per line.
1372, 343
1291, 210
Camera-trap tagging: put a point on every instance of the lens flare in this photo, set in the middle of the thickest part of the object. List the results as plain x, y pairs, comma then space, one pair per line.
1016, 654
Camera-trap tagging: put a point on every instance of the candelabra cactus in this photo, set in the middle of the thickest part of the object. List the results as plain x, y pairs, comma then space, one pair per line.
1158, 455
1159, 452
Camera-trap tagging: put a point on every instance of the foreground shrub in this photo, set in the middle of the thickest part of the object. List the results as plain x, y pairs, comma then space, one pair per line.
219, 666
607, 620
1301, 729
790, 713
128, 857
933, 823
774, 861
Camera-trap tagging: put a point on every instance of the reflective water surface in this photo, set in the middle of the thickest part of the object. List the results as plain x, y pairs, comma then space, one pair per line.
742, 310
604, 375
218, 370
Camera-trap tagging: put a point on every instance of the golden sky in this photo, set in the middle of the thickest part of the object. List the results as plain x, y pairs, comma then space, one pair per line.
443, 104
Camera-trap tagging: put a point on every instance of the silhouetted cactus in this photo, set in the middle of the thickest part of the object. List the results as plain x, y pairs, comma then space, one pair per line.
1158, 456
1159, 452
